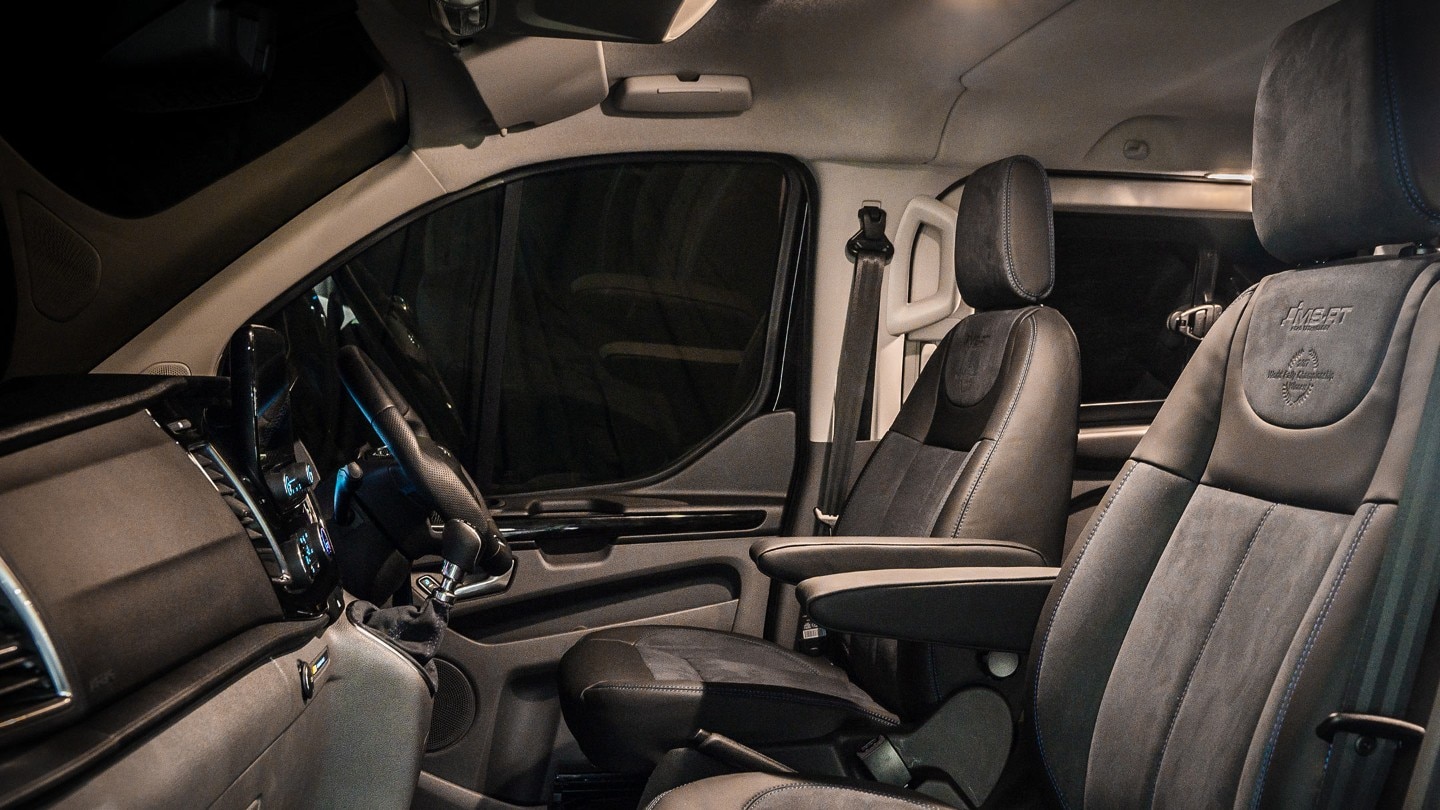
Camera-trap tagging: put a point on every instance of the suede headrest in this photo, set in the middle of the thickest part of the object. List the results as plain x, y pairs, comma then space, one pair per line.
1347, 131
1004, 236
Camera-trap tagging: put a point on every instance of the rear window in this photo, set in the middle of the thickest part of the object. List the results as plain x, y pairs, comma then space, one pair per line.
1119, 278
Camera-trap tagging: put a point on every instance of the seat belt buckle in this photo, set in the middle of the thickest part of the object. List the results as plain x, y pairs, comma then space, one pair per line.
884, 763
828, 520
871, 237
812, 637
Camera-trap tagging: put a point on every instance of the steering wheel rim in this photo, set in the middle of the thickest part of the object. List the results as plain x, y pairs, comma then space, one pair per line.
431, 469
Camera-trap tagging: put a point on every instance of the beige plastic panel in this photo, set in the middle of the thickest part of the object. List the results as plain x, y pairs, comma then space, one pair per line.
257, 743
195, 332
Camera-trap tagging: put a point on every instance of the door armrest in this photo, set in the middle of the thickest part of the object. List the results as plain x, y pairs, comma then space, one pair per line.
795, 559
985, 608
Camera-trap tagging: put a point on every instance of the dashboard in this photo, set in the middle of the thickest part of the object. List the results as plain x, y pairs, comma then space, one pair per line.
159, 537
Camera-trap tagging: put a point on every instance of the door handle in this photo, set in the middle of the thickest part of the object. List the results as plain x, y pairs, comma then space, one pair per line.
1194, 322
525, 531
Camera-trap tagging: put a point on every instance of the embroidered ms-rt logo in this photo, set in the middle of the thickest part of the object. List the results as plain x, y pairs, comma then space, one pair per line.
1301, 318
1300, 375
972, 348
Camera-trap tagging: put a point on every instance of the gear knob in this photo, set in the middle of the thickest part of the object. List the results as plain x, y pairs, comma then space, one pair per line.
498, 559
460, 547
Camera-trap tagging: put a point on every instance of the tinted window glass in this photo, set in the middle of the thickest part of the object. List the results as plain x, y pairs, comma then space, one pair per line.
638, 317
578, 327
1119, 277
418, 302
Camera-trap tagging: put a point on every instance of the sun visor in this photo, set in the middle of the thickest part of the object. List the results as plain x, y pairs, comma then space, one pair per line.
533, 80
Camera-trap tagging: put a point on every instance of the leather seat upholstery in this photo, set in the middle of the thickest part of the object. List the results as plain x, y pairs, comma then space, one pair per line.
1205, 622
992, 415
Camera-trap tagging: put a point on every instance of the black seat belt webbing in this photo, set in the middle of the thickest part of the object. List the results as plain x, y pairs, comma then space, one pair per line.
871, 251
1366, 735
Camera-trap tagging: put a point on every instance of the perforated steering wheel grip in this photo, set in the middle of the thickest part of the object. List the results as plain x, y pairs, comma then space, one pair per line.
437, 475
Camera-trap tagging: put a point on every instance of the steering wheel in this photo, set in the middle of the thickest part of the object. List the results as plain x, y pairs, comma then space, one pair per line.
437, 476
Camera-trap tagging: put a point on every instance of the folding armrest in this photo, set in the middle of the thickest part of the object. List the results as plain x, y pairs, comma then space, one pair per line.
795, 559
987, 608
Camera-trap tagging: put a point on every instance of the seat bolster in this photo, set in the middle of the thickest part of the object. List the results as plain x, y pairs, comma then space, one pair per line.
760, 791
1016, 481
795, 559
987, 608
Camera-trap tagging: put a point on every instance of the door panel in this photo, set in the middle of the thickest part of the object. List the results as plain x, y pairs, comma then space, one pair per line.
508, 645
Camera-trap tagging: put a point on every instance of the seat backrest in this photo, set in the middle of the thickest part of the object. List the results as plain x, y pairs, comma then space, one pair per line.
984, 446
1204, 623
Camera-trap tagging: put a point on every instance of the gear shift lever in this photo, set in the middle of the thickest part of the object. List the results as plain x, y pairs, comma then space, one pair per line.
460, 547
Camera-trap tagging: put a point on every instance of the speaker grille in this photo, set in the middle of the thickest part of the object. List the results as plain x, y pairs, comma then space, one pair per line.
64, 268
454, 711
168, 369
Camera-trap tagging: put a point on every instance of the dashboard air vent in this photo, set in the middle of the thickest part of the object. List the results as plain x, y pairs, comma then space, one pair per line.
229, 491
232, 490
31, 683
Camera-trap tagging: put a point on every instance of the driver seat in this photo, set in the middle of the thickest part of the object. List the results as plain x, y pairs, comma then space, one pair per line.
1205, 623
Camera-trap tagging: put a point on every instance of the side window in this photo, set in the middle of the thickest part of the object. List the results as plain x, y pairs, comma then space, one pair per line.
638, 314
1118, 279
575, 327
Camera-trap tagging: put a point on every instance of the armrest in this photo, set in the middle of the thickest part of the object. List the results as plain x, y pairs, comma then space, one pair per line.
987, 608
795, 559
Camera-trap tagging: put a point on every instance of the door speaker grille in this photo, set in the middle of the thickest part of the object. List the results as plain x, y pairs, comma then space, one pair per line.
454, 711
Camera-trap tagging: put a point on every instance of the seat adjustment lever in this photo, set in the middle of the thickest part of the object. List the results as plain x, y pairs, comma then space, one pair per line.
1369, 725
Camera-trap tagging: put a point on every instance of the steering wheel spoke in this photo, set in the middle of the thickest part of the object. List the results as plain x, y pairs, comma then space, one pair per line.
437, 476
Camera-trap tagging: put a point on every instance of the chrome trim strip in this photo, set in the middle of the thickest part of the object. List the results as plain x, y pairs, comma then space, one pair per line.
1109, 404
44, 645
486, 586
235, 481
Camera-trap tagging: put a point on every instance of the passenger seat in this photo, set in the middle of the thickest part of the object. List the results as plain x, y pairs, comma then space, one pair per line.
980, 459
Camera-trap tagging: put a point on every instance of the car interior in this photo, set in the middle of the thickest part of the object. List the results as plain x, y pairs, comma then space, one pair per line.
486, 404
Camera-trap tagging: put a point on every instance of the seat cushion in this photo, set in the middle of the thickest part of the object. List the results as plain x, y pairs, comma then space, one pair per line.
760, 791
632, 693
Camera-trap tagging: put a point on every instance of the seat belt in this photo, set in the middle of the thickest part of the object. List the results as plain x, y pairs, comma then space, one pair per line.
1365, 736
871, 251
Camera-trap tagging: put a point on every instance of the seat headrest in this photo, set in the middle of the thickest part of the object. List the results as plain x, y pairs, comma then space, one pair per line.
1004, 236
1347, 131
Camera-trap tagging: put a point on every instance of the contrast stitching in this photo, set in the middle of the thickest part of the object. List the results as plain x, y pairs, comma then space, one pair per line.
1045, 639
806, 700
1006, 204
656, 801
1005, 220
1399, 153
995, 444
761, 645
754, 800
1050, 228
934, 681
1199, 654
1294, 681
